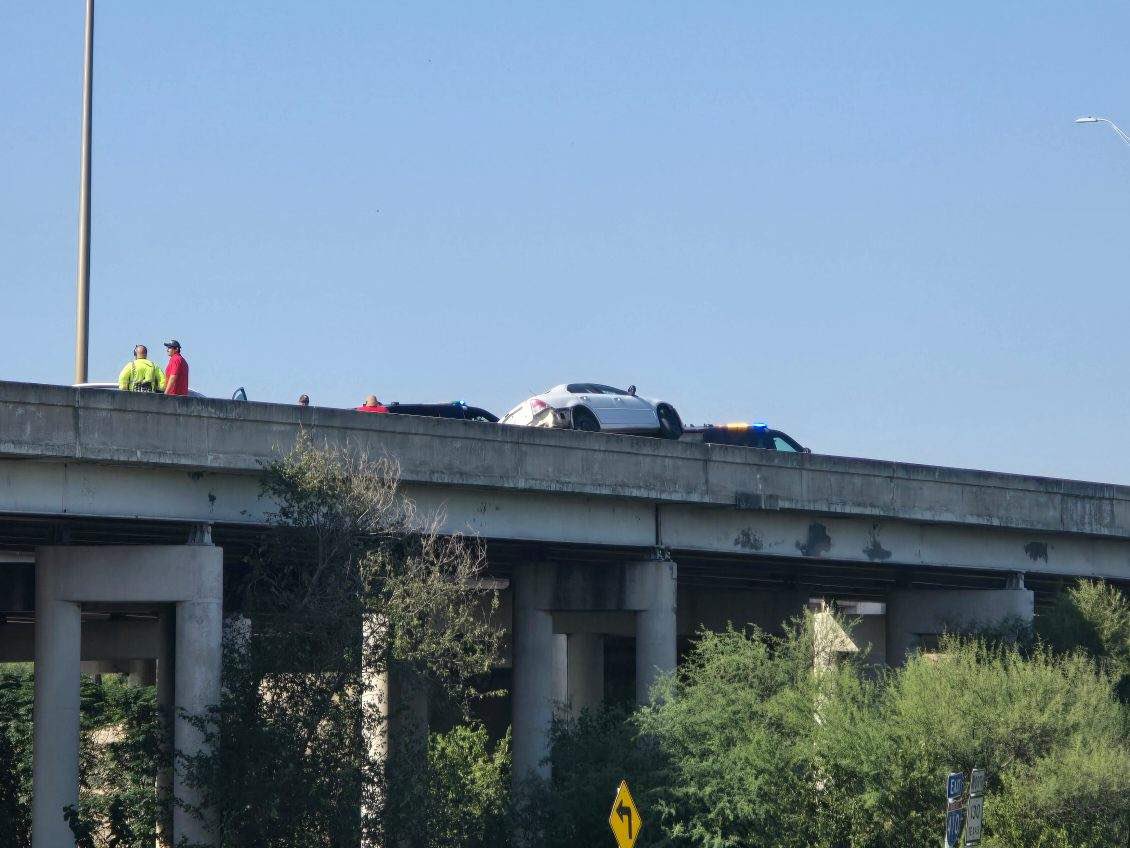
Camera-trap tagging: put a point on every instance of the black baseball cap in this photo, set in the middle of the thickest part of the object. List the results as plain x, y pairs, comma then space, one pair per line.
173, 343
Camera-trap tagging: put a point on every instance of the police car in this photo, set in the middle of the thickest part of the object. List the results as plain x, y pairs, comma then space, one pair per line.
756, 435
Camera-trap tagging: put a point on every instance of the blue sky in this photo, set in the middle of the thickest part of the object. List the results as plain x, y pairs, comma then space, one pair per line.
872, 225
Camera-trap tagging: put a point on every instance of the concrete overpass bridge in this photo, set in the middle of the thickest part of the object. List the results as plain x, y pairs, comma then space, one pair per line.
601, 540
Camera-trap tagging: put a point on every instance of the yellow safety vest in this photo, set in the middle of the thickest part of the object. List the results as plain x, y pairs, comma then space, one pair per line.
141, 375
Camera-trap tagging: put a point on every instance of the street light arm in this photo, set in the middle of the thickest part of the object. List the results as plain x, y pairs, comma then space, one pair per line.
1116, 128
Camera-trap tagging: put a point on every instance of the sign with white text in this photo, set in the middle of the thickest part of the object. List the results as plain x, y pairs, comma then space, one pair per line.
973, 815
977, 782
955, 785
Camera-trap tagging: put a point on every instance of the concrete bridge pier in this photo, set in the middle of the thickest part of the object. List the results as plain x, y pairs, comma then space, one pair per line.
560, 617
535, 670
917, 617
187, 576
584, 666
652, 582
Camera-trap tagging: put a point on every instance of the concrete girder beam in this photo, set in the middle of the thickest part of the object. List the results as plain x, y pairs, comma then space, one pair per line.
189, 576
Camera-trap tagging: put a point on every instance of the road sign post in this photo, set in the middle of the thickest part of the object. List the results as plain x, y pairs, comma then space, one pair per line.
977, 782
625, 818
955, 785
964, 813
955, 808
973, 815
975, 810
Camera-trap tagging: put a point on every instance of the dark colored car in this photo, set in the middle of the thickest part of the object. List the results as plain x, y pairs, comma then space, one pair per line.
456, 409
744, 435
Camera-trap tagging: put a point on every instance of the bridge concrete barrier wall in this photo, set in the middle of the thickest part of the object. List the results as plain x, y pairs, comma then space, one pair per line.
196, 434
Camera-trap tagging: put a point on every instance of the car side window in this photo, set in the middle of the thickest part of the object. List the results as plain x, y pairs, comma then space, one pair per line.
782, 445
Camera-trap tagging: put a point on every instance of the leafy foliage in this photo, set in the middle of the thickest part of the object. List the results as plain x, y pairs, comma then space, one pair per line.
466, 791
590, 755
121, 743
1092, 617
748, 745
16, 698
350, 588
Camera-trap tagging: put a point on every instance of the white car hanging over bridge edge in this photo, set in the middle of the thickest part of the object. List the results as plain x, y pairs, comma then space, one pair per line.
595, 407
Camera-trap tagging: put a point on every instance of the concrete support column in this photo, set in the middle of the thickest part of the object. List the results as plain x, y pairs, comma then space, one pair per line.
408, 711
585, 671
915, 617
375, 697
142, 672
199, 640
190, 576
533, 695
395, 712
560, 670
166, 680
374, 687
652, 587
56, 712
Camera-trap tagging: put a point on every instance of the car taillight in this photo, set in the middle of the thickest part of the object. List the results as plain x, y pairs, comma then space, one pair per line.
537, 405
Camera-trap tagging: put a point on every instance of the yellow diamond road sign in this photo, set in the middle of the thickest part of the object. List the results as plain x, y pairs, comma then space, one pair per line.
625, 818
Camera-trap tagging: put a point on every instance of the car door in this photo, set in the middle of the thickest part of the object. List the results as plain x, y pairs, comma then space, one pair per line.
639, 414
590, 395
631, 412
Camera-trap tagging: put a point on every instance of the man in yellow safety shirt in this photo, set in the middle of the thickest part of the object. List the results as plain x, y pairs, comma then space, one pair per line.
141, 375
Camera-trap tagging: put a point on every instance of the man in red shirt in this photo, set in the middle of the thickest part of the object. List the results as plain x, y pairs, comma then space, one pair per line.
371, 405
176, 372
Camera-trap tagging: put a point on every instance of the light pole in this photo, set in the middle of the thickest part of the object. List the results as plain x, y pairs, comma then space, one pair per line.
1091, 119
82, 327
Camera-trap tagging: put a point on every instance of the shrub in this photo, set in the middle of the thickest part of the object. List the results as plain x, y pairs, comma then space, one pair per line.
589, 756
1093, 617
467, 790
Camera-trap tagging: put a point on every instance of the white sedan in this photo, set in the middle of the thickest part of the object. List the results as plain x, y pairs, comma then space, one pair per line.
595, 407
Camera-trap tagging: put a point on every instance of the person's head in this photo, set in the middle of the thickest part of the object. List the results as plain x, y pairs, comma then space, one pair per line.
304, 400
140, 351
172, 346
371, 400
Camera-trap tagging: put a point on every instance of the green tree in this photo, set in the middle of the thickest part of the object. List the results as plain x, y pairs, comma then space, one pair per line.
1092, 617
464, 801
349, 584
15, 823
120, 744
589, 756
750, 745
16, 699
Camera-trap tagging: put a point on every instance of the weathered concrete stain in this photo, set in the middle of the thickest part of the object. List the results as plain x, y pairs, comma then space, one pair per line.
818, 542
749, 539
875, 551
1037, 551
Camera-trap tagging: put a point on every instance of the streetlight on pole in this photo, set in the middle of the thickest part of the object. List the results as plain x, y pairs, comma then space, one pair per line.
1091, 119
82, 328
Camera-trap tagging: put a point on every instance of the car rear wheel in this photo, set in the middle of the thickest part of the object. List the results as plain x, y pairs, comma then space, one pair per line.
670, 427
583, 419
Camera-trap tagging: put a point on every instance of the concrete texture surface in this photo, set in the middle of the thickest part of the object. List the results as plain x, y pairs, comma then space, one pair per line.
198, 434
